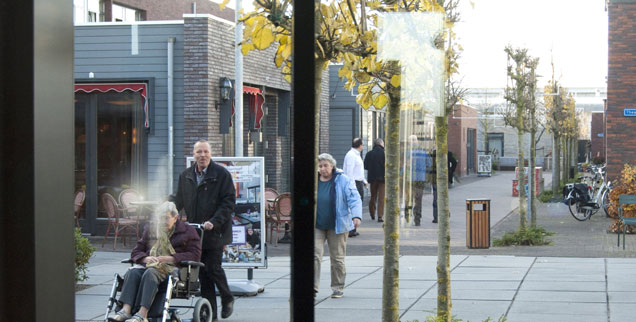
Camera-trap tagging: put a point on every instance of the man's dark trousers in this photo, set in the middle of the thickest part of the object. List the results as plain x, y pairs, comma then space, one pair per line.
360, 187
213, 274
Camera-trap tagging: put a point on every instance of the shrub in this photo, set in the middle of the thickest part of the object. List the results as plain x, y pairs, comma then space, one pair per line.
83, 252
626, 186
533, 236
545, 196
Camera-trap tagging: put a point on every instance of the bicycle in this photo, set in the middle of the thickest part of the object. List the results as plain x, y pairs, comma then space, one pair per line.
584, 201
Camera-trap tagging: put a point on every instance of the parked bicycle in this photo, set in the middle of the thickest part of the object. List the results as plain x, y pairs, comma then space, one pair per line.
585, 199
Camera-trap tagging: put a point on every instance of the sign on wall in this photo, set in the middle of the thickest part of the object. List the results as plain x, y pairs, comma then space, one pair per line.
629, 112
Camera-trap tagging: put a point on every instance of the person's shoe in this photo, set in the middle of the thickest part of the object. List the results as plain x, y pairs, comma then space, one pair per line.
120, 316
434, 221
227, 310
380, 220
337, 294
137, 318
417, 223
372, 217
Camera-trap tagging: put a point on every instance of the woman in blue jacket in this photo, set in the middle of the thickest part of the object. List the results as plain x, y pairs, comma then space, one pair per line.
338, 211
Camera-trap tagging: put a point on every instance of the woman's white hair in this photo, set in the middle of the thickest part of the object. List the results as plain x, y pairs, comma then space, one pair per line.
167, 207
327, 157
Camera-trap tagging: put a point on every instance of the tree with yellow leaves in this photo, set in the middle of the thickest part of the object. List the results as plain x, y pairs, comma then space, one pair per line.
344, 36
559, 107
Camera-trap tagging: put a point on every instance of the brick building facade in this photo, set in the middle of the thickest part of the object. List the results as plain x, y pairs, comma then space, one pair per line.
597, 138
621, 130
462, 138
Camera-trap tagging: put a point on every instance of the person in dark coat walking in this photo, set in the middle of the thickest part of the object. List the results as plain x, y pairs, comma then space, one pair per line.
374, 164
141, 284
452, 165
207, 194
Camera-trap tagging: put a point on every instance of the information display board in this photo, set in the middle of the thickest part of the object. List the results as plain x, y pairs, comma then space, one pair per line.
484, 165
248, 221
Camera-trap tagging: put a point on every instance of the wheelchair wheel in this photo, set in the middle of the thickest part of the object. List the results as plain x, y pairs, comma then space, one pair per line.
202, 311
579, 211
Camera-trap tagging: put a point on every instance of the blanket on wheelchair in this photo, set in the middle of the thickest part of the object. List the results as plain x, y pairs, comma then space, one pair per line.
163, 247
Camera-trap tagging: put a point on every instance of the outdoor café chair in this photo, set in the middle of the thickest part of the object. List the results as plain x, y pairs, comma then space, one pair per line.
117, 223
625, 200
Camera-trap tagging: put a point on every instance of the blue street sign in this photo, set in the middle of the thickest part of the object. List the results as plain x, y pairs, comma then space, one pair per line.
600, 135
629, 112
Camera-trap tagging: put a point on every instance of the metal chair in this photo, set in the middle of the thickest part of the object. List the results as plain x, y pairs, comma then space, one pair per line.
115, 220
80, 196
625, 200
282, 215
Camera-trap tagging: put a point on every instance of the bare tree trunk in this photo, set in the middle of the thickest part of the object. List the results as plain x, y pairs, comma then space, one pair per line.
564, 162
521, 186
532, 175
391, 272
556, 164
444, 304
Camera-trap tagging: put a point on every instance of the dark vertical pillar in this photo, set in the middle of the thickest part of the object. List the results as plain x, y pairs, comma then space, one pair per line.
304, 162
91, 163
36, 161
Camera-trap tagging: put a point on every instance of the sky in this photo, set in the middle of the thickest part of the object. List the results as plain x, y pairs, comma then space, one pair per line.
572, 33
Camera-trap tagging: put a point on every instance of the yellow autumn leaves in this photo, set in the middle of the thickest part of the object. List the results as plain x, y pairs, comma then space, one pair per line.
343, 37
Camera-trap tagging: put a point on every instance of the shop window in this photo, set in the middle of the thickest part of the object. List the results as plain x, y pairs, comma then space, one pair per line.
109, 139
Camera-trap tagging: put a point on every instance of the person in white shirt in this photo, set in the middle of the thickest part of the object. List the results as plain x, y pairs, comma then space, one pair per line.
354, 168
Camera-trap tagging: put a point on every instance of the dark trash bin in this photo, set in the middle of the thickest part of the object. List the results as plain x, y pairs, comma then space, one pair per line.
478, 223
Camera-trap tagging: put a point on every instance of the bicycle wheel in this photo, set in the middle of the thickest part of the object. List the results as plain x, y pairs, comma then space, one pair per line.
605, 202
579, 211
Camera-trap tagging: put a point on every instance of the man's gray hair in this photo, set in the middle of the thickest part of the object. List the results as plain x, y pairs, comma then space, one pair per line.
378, 141
201, 141
327, 157
167, 207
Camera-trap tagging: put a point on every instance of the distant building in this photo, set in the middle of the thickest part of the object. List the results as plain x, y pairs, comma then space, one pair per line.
597, 138
122, 91
86, 11
348, 120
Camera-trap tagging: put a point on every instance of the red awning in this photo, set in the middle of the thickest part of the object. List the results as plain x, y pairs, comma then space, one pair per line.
256, 105
142, 88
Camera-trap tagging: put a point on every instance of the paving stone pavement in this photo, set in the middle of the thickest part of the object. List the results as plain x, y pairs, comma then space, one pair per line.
583, 276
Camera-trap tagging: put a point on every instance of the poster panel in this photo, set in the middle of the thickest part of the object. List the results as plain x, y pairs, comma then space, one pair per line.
484, 165
248, 221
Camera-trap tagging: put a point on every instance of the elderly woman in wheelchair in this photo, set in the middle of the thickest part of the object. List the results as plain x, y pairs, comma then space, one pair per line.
166, 242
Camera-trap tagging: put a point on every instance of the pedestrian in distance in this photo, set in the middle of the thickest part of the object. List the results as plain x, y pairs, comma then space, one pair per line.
338, 211
374, 164
421, 164
207, 194
165, 242
353, 167
452, 165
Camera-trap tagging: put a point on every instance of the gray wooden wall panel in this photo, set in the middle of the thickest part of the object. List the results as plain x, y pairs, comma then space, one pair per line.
105, 50
341, 132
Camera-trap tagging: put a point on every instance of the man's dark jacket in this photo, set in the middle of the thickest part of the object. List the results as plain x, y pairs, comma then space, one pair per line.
374, 164
185, 241
213, 200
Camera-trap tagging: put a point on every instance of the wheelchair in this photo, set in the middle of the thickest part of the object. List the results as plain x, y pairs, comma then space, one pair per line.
183, 284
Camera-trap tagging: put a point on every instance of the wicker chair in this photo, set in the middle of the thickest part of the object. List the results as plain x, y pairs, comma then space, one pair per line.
116, 222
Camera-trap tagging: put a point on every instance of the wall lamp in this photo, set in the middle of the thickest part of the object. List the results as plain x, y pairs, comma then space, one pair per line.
225, 86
